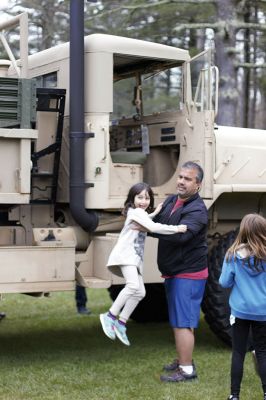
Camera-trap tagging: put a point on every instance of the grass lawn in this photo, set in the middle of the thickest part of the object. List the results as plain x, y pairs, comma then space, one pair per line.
49, 352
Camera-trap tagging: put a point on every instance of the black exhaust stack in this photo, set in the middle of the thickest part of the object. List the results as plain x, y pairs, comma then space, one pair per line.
87, 219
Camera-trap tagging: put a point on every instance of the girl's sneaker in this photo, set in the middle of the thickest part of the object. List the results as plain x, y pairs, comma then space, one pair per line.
108, 325
233, 397
120, 331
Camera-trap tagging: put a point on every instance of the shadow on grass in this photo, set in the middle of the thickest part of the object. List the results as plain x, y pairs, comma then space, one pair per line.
51, 329
206, 338
83, 337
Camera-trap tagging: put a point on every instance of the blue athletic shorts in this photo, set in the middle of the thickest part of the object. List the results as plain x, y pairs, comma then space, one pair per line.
184, 297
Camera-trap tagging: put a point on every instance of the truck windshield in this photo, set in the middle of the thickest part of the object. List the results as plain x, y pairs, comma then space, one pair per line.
160, 92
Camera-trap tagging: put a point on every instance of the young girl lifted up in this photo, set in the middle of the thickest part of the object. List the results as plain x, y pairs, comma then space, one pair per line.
244, 270
126, 258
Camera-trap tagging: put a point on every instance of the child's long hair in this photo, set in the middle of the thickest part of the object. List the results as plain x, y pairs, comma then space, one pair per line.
251, 235
135, 190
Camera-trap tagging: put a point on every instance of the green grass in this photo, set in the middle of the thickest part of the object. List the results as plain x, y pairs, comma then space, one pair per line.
49, 352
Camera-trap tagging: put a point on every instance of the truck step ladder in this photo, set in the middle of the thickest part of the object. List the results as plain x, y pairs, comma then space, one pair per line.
50, 100
91, 281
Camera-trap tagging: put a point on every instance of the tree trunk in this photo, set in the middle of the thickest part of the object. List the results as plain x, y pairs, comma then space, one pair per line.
247, 72
225, 41
253, 106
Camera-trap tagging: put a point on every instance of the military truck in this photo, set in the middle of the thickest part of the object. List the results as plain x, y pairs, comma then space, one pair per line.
83, 121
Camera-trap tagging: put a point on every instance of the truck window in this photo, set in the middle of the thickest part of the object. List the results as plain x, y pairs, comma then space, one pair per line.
123, 98
47, 80
161, 91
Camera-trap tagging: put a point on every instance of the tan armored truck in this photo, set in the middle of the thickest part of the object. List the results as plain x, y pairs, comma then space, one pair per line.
147, 109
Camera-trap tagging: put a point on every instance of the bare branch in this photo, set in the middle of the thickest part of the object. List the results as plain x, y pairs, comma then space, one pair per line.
250, 65
163, 2
248, 25
200, 25
221, 25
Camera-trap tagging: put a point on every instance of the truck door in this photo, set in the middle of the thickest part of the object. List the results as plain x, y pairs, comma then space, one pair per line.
200, 109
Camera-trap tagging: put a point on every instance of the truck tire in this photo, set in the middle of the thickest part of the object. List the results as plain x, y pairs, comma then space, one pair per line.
153, 308
215, 305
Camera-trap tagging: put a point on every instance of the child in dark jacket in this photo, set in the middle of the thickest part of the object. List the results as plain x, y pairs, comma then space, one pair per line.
244, 270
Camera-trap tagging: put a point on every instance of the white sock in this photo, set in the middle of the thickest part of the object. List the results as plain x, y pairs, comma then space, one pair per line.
188, 369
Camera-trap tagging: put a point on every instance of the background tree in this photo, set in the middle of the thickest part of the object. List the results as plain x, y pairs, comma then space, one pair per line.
48, 22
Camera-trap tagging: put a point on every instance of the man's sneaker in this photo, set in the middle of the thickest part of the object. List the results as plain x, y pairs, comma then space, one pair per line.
120, 331
171, 366
174, 365
233, 397
108, 325
179, 376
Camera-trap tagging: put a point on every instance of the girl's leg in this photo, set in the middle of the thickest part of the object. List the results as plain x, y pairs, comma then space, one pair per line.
259, 338
133, 301
130, 295
240, 331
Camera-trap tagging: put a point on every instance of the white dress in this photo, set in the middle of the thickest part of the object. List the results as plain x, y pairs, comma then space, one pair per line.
129, 248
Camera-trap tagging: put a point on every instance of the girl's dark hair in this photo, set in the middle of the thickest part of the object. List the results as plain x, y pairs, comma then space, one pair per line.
135, 190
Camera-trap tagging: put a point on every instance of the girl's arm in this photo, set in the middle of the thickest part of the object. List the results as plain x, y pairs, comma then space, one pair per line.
156, 211
227, 277
141, 217
195, 221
